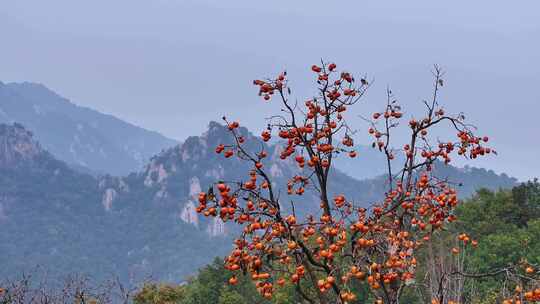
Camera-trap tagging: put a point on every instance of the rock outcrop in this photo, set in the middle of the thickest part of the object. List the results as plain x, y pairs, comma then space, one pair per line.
17, 145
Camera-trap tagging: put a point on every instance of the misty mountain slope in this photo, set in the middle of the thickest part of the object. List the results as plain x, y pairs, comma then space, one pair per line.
132, 226
58, 218
78, 135
143, 223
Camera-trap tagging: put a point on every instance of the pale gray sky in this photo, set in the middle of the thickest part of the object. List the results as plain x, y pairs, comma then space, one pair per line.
173, 65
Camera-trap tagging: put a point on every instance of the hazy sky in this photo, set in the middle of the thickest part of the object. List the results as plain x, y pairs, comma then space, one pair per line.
172, 65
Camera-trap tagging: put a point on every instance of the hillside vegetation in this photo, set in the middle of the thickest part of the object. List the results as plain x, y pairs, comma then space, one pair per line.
505, 223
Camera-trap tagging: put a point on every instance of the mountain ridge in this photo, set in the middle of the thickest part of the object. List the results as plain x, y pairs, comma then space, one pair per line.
79, 135
141, 223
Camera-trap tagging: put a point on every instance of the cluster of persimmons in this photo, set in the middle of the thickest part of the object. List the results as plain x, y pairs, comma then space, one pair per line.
343, 243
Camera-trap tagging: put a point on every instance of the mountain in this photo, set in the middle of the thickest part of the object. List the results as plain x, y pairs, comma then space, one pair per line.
67, 221
82, 137
143, 223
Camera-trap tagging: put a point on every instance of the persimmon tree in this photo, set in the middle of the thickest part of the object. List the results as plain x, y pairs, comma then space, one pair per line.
324, 254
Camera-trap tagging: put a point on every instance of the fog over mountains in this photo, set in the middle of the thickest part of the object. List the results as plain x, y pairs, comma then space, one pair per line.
77, 135
151, 62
